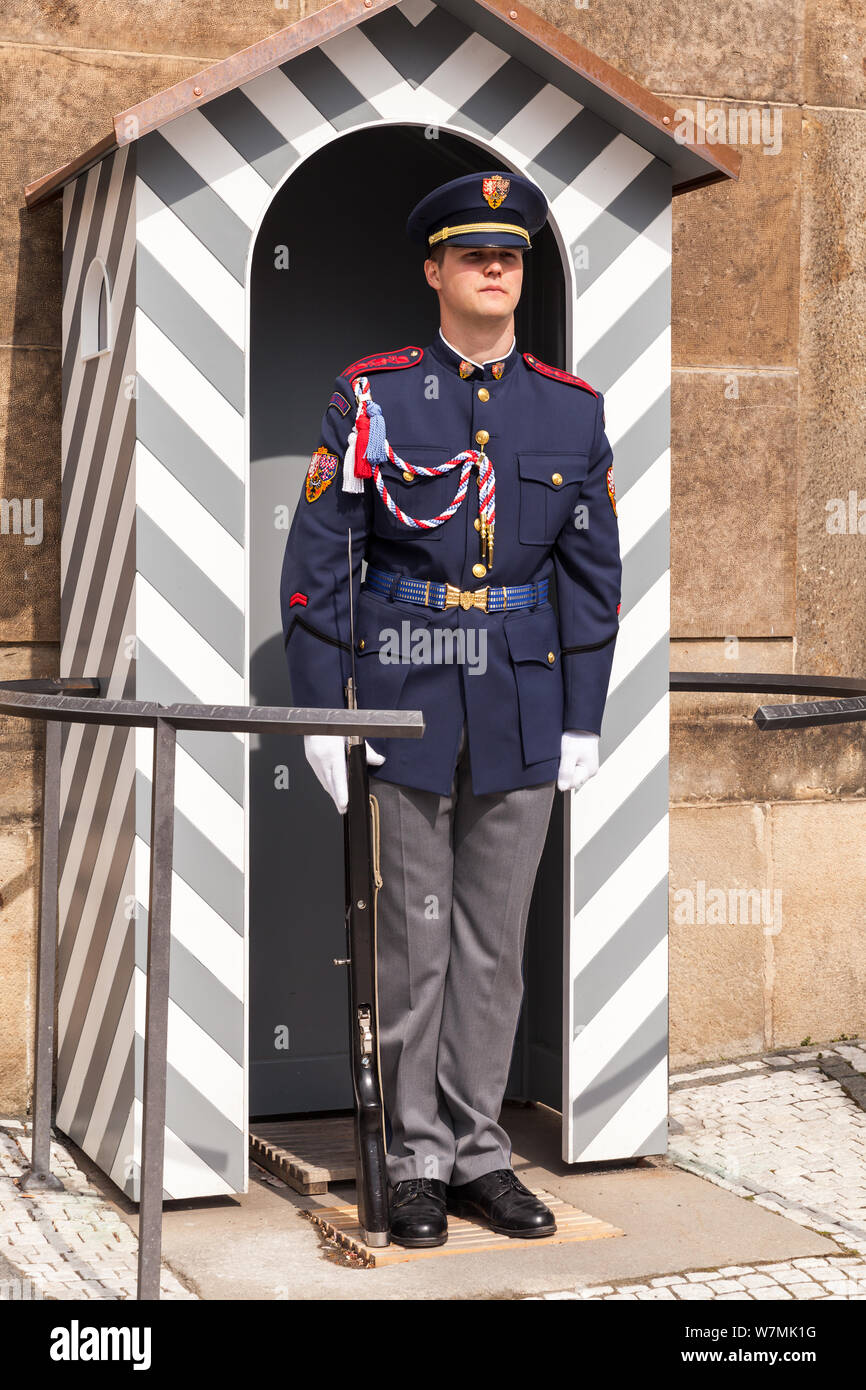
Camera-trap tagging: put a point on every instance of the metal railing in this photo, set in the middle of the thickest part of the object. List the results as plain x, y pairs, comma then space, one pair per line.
849, 707
50, 701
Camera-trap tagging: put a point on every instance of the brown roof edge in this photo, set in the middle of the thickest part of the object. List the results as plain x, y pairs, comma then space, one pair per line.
240, 67
268, 53
51, 185
210, 82
618, 85
688, 185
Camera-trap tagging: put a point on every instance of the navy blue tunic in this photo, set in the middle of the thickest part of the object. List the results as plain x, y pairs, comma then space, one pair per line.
518, 678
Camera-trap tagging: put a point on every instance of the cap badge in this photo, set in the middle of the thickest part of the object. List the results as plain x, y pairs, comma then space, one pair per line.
495, 189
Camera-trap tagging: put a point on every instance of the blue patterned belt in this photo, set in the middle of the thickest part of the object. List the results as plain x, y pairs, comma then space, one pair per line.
435, 593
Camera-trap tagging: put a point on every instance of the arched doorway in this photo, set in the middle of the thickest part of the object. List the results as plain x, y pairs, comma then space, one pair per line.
333, 277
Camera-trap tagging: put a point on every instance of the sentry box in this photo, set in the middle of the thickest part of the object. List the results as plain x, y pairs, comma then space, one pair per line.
227, 247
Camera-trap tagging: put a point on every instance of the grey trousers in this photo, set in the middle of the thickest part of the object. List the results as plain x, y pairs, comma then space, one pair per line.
458, 873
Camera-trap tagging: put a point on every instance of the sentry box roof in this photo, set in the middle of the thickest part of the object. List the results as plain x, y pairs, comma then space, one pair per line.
419, 44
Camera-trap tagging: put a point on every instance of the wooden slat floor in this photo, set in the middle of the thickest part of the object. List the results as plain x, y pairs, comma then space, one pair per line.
465, 1237
310, 1154
306, 1154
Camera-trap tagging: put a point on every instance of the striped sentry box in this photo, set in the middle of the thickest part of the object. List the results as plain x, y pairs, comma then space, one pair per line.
155, 476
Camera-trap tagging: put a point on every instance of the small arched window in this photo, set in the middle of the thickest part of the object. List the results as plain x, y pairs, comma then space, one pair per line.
95, 312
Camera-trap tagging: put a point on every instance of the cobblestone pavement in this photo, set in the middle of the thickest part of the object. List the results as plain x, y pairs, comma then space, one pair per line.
784, 1132
63, 1245
837, 1276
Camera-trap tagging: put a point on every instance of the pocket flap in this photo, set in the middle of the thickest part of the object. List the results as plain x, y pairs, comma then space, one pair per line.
378, 626
545, 468
533, 637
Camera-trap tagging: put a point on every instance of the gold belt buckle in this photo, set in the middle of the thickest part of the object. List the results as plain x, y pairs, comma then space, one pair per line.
466, 598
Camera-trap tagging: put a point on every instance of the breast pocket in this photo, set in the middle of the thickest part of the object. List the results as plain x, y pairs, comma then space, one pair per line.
549, 490
419, 497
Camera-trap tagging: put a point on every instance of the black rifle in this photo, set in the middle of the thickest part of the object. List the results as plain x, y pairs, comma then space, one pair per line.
361, 838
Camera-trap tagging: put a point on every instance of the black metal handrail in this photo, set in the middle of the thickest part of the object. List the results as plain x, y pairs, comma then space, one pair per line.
50, 700
850, 707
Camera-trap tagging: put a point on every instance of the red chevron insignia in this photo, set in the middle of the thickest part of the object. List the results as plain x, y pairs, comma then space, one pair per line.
298, 598
384, 361
557, 373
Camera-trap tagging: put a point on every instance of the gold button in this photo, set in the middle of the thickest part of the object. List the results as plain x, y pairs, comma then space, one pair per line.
550, 656
484, 394
556, 478
481, 437
407, 475
479, 570
477, 523
362, 643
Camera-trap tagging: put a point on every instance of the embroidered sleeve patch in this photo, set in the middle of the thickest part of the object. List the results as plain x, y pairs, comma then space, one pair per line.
298, 598
340, 402
611, 491
321, 472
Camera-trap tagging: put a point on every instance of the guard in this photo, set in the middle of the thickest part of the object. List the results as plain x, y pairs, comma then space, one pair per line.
473, 477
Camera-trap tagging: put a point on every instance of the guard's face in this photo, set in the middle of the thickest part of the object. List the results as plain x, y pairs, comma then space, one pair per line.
482, 282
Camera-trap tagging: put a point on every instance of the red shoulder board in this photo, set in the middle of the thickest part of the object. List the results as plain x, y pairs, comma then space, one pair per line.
557, 373
384, 361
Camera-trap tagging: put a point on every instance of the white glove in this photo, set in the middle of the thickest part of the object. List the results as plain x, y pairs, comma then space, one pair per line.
578, 759
326, 754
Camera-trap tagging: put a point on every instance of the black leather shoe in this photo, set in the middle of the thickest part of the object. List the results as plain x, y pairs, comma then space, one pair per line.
418, 1216
507, 1206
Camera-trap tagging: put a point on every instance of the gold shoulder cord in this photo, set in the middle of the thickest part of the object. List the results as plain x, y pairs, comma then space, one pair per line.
377, 884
